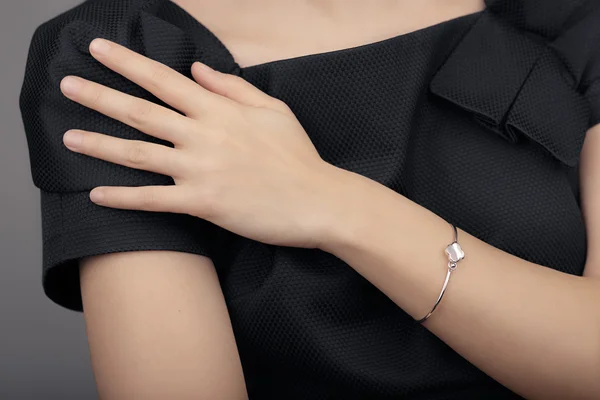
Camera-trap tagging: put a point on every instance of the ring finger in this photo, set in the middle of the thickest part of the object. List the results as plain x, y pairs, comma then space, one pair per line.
136, 154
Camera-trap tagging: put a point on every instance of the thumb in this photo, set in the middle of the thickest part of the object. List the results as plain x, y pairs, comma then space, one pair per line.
234, 88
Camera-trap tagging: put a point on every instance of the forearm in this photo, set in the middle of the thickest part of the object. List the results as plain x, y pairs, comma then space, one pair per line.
532, 328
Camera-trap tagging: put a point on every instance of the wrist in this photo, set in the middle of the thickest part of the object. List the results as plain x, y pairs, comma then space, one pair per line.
348, 198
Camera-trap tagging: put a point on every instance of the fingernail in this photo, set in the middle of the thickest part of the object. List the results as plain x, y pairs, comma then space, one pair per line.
100, 47
72, 139
96, 195
70, 85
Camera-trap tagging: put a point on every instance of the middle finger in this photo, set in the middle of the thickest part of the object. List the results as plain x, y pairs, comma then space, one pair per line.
162, 81
141, 114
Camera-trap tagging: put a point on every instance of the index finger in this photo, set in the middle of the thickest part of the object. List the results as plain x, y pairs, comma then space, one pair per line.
162, 81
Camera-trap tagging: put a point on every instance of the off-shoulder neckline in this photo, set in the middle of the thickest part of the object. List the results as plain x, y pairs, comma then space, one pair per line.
313, 56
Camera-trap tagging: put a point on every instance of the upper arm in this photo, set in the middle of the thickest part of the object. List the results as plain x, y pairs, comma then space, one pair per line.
158, 327
589, 166
74, 227
589, 174
154, 311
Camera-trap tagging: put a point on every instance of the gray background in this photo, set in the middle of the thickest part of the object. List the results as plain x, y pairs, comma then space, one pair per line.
43, 347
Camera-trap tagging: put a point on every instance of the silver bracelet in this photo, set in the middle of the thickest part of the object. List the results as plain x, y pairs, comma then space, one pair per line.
455, 254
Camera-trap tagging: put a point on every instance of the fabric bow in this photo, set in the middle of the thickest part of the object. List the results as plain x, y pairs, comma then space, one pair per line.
525, 71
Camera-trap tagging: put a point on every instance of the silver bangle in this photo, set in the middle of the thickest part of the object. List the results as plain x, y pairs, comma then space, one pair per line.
455, 254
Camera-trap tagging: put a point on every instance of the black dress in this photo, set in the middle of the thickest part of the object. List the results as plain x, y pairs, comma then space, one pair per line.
480, 119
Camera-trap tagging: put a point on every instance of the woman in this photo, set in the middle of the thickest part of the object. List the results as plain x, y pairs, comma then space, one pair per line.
260, 201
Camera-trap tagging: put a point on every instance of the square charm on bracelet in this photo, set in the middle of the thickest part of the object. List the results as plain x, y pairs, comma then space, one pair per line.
455, 252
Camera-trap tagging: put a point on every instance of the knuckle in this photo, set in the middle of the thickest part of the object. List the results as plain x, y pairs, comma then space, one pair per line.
208, 200
137, 153
139, 111
208, 164
160, 74
148, 199
96, 144
233, 78
96, 96
282, 106
85, 141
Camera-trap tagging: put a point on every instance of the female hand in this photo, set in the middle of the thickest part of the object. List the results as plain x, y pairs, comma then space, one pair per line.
240, 158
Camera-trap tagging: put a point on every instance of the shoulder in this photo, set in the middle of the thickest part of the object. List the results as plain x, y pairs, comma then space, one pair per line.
98, 13
59, 46
158, 29
110, 19
64, 39
105, 16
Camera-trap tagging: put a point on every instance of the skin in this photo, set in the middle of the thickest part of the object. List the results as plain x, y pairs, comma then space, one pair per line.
267, 30
533, 329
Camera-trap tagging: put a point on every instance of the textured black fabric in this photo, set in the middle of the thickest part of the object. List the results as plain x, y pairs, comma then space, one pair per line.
480, 119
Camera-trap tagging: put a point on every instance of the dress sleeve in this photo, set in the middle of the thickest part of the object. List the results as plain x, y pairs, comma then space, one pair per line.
593, 94
73, 226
